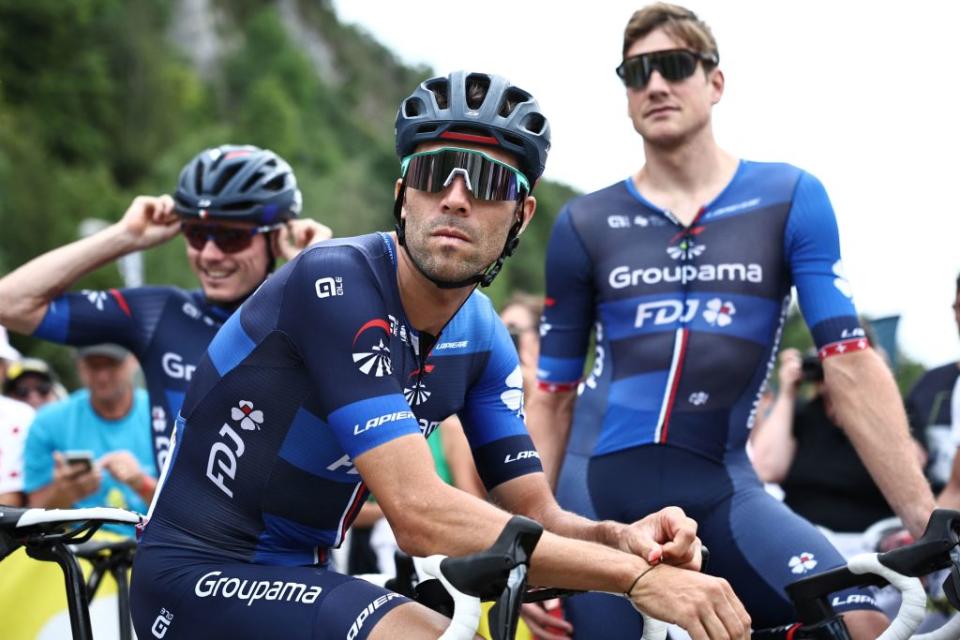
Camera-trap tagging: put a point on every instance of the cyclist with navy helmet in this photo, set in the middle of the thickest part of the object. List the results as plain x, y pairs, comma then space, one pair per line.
323, 386
236, 206
684, 272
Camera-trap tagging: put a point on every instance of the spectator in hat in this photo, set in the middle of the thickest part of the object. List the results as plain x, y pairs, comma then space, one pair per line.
92, 449
31, 380
15, 418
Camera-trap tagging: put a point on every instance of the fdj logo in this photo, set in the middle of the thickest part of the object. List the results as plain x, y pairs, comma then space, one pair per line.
665, 312
327, 287
222, 461
161, 624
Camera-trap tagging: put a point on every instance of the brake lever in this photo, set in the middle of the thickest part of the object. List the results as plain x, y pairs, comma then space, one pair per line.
929, 552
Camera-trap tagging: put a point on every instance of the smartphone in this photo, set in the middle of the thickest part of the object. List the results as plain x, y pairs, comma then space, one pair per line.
82, 458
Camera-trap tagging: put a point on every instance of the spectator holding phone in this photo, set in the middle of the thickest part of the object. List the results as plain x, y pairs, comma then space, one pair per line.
800, 445
92, 449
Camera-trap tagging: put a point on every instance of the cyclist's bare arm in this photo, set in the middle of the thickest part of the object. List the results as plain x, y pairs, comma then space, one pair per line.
667, 535
549, 416
429, 516
869, 409
26, 292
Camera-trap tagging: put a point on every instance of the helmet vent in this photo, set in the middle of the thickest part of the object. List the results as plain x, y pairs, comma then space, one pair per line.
476, 86
428, 127
198, 177
534, 123
513, 139
252, 180
225, 177
413, 107
276, 184
511, 99
440, 88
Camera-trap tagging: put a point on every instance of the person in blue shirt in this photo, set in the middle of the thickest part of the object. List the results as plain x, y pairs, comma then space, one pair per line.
322, 388
237, 207
684, 272
91, 449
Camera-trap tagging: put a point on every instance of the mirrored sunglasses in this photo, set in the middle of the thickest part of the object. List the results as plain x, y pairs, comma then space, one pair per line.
486, 178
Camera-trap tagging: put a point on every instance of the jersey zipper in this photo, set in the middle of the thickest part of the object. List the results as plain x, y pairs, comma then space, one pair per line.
682, 335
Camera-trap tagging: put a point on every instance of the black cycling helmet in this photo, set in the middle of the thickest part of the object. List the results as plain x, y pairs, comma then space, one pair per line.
238, 182
507, 117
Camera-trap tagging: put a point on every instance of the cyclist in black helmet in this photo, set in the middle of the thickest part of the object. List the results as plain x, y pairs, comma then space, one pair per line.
236, 206
322, 388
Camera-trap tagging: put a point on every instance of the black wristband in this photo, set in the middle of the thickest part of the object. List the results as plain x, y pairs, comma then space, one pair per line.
642, 573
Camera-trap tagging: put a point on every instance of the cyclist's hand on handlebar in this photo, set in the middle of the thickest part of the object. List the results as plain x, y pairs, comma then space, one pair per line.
668, 535
705, 606
543, 625
151, 220
297, 235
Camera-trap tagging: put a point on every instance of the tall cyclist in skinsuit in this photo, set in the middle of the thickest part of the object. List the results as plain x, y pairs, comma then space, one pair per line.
236, 206
685, 269
322, 388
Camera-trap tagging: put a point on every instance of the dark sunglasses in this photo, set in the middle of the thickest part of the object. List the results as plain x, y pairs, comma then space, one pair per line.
227, 239
673, 64
23, 391
486, 178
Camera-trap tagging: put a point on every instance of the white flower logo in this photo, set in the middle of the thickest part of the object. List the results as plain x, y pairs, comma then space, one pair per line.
841, 282
686, 249
513, 397
96, 298
249, 418
699, 398
545, 327
802, 563
718, 312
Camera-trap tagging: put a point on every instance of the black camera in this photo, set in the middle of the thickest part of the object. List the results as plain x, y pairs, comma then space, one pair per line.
812, 369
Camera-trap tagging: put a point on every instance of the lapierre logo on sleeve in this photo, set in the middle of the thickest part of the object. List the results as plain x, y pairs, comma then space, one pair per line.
372, 423
327, 287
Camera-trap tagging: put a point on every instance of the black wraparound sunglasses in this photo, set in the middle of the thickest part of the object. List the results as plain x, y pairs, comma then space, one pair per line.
673, 64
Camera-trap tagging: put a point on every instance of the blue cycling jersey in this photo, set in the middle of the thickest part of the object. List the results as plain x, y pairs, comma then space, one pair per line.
317, 367
166, 328
688, 317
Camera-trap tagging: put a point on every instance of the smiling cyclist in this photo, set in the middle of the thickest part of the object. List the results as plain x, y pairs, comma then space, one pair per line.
236, 206
322, 388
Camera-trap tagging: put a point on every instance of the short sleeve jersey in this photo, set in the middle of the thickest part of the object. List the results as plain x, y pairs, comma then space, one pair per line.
168, 329
688, 318
319, 366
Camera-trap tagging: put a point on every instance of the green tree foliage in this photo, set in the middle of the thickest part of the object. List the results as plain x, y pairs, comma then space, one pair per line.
97, 105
